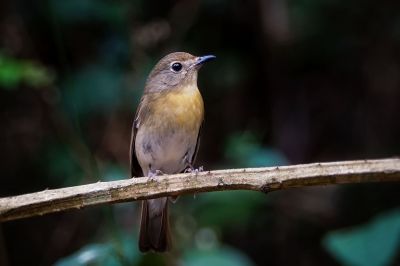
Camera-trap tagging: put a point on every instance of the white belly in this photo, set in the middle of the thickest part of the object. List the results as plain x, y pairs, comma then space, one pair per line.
168, 153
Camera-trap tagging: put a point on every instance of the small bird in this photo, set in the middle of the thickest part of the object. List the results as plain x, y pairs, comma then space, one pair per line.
165, 136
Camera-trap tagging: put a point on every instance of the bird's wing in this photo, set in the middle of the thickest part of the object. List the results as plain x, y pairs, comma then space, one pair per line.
197, 145
136, 170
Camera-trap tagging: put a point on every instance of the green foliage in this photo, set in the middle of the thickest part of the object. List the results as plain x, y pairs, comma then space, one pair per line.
121, 252
13, 72
74, 11
93, 89
113, 172
61, 166
232, 70
216, 257
374, 243
93, 254
239, 206
245, 150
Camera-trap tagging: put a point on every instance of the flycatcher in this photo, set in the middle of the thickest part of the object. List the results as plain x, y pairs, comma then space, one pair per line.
165, 136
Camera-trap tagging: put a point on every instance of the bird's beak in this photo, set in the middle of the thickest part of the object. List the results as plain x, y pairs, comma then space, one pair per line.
202, 59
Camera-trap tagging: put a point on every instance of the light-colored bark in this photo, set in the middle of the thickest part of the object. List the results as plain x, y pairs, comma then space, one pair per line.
264, 179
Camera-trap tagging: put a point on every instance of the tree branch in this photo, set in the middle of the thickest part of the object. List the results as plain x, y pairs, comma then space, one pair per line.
259, 179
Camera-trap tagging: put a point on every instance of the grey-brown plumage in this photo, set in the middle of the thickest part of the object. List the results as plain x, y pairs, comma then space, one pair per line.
165, 136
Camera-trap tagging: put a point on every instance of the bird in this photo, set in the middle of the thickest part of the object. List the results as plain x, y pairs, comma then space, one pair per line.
166, 136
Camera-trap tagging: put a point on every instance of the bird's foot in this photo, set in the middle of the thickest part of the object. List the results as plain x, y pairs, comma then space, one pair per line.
153, 175
191, 169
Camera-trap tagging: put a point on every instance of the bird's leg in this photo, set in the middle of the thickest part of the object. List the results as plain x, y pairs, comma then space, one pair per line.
189, 166
152, 175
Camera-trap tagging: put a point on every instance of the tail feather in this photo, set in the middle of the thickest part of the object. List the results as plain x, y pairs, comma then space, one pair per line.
154, 227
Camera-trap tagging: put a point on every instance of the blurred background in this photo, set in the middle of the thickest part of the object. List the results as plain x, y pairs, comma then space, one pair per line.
294, 82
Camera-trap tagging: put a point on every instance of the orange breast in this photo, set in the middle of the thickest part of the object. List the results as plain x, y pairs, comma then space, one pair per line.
183, 108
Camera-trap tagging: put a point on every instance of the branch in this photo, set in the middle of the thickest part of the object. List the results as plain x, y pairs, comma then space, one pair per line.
264, 179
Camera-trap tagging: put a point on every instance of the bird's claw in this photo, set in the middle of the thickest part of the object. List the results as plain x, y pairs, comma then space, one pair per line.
191, 169
153, 175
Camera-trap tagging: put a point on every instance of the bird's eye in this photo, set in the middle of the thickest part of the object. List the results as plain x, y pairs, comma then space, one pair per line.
176, 67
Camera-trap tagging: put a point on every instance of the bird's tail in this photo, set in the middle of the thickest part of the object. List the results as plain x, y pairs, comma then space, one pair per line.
154, 226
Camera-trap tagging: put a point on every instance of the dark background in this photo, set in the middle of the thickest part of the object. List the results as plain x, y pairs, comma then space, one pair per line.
294, 82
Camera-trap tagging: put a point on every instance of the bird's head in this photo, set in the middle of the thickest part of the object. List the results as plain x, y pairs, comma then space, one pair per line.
175, 69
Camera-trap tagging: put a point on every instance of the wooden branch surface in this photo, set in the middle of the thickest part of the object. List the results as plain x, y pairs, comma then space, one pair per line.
264, 179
